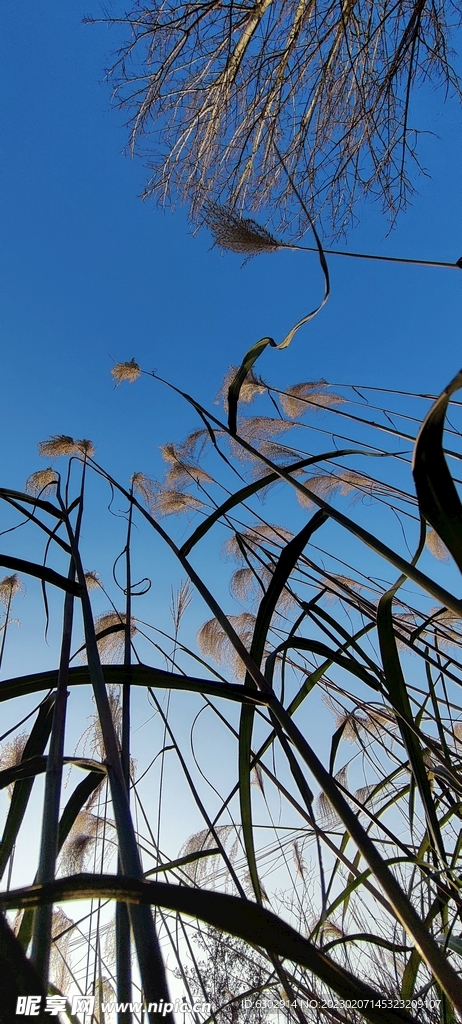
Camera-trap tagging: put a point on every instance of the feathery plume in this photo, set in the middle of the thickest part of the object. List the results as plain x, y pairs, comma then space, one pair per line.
243, 583
341, 586
239, 234
250, 388
299, 398
11, 754
61, 933
110, 636
169, 502
446, 625
42, 482
146, 487
201, 842
256, 778
437, 546
349, 481
9, 587
324, 806
330, 929
129, 371
253, 537
214, 643
298, 859
92, 579
179, 602
80, 842
63, 444
181, 471
111, 646
59, 444
262, 427
85, 447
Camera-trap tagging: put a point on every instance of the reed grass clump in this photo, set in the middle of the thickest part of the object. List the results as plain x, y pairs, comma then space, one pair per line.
319, 766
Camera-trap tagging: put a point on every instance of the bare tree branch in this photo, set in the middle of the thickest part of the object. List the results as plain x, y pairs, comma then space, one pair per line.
214, 87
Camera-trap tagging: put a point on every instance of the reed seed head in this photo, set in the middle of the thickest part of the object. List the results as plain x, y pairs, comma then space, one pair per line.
63, 444
437, 546
202, 841
86, 447
146, 487
42, 482
61, 933
214, 643
129, 371
300, 398
110, 635
111, 645
170, 502
250, 388
239, 234
92, 579
9, 587
80, 842
11, 753
59, 444
298, 859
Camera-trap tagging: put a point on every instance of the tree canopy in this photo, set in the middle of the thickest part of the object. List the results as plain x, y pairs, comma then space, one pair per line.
231, 101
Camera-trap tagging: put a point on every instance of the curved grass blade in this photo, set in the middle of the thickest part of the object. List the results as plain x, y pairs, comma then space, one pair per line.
399, 699
140, 675
74, 805
285, 566
42, 572
256, 351
190, 858
425, 582
36, 765
247, 920
348, 663
35, 745
436, 492
403, 908
246, 492
149, 955
28, 499
17, 976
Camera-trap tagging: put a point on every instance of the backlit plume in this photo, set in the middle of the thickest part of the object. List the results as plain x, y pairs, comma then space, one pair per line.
129, 371
42, 482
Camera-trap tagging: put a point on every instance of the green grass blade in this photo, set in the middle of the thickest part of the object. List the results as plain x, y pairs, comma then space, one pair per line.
285, 566
436, 492
35, 746
403, 908
42, 572
74, 805
140, 675
17, 976
250, 489
252, 923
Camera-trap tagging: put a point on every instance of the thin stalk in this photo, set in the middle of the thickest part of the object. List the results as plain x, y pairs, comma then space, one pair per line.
41, 934
149, 955
383, 259
5, 626
403, 909
122, 920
